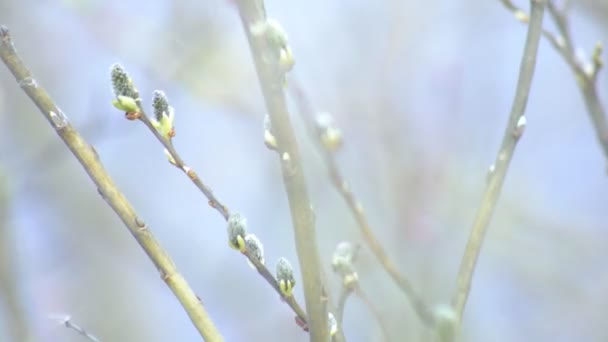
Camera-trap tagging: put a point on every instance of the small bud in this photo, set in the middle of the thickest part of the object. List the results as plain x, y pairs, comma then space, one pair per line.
272, 31
521, 16
332, 323
520, 127
351, 280
124, 90
237, 229
345, 252
329, 134
286, 59
342, 263
163, 115
275, 36
254, 248
285, 277
446, 322
269, 139
491, 170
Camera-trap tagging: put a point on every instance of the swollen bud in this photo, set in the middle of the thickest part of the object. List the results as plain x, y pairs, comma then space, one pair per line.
237, 229
285, 277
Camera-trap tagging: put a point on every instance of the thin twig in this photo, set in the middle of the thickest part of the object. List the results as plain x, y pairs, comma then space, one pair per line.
345, 293
356, 208
513, 132
221, 208
214, 202
16, 319
67, 321
88, 158
584, 72
271, 79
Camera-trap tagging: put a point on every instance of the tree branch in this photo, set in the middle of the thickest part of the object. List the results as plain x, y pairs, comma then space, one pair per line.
513, 132
271, 81
585, 72
356, 208
88, 158
177, 161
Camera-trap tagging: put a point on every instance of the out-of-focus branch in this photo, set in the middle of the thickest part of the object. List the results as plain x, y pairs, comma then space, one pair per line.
66, 321
17, 322
88, 158
343, 263
342, 186
267, 44
585, 72
513, 132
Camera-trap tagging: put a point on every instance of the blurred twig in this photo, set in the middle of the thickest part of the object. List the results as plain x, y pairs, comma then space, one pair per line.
271, 79
343, 263
513, 132
585, 72
356, 208
67, 321
345, 293
17, 322
87, 156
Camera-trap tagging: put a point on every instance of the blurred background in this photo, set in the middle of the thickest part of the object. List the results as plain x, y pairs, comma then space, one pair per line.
421, 90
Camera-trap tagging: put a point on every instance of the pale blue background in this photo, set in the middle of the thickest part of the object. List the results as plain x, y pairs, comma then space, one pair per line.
422, 91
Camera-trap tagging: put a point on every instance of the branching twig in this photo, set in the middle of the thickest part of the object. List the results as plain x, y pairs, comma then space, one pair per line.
513, 132
261, 37
585, 72
343, 261
88, 158
356, 208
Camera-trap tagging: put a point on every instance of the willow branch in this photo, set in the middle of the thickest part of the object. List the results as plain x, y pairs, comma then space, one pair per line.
345, 293
221, 208
88, 158
271, 81
214, 202
356, 208
513, 132
585, 72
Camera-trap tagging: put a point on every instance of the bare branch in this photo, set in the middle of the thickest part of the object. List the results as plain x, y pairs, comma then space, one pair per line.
585, 72
87, 156
176, 160
342, 186
513, 132
272, 58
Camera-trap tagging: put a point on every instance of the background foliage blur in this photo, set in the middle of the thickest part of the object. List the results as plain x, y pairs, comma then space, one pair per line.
422, 92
